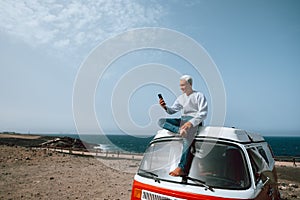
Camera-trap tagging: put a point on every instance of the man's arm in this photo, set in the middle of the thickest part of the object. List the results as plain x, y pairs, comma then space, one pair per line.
173, 109
202, 112
200, 116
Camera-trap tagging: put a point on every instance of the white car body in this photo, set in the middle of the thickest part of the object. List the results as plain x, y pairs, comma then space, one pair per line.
227, 163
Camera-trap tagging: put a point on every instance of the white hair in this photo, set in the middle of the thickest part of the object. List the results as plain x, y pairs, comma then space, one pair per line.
187, 78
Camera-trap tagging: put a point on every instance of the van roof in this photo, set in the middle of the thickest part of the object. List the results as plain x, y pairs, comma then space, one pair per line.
224, 133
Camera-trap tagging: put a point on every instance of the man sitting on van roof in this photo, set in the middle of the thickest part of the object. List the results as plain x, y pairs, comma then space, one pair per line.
194, 107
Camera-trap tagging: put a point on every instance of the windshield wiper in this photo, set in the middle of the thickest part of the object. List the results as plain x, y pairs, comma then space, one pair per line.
152, 175
202, 183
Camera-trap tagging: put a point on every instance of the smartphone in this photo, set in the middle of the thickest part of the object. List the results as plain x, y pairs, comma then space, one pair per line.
160, 97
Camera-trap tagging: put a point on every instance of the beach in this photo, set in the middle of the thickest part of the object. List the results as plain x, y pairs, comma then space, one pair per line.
36, 173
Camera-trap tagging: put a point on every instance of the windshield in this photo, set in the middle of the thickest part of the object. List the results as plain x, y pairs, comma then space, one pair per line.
218, 165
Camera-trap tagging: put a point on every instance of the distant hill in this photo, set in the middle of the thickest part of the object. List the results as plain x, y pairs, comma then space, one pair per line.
30, 140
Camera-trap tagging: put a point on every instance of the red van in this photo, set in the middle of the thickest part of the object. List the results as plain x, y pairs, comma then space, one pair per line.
227, 163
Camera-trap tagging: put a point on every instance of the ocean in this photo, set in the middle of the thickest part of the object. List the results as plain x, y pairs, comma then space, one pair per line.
284, 146
281, 146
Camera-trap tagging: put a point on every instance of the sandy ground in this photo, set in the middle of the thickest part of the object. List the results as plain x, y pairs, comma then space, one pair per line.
40, 174
19, 136
27, 173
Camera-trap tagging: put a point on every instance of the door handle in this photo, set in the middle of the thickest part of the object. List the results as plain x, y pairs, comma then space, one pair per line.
266, 181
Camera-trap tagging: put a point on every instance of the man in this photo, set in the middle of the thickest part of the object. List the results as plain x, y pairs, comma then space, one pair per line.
193, 105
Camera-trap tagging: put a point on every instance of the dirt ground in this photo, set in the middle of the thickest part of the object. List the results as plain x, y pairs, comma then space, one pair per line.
39, 174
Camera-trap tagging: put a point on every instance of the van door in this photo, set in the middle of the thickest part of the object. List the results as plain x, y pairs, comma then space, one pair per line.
265, 151
263, 176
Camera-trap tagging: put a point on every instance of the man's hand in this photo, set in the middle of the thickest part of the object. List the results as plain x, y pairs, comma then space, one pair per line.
184, 128
162, 104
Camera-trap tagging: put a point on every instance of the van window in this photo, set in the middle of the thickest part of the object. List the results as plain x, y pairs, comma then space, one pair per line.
255, 167
219, 165
263, 153
270, 156
161, 156
258, 162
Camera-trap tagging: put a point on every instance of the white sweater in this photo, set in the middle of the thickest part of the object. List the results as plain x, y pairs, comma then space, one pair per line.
194, 105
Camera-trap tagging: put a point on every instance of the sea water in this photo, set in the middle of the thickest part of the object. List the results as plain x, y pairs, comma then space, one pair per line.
114, 142
281, 146
284, 146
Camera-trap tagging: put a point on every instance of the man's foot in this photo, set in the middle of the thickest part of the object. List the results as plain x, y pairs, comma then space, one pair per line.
177, 172
182, 132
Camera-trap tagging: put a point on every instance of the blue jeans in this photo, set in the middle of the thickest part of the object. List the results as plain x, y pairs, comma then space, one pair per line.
173, 125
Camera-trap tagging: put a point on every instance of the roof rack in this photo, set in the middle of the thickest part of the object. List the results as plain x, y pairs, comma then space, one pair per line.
216, 132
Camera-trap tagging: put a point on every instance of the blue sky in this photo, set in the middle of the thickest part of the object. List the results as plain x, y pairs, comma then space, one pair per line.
255, 45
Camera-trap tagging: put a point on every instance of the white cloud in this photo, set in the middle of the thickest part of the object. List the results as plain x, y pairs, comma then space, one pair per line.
74, 24
62, 43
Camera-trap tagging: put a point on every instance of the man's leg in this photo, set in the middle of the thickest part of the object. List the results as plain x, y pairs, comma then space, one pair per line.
171, 124
186, 156
186, 149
